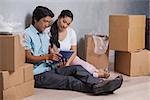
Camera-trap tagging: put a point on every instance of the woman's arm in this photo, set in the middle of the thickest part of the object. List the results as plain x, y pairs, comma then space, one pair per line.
73, 48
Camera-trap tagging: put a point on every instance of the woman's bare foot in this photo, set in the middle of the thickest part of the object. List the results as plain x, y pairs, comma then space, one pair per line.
103, 74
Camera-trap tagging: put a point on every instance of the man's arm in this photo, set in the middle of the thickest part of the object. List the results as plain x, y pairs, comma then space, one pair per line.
35, 59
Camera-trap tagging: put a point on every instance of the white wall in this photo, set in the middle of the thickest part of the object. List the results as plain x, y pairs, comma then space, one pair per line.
89, 15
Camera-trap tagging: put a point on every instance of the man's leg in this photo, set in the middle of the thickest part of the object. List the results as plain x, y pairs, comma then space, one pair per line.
80, 73
108, 86
51, 80
99, 86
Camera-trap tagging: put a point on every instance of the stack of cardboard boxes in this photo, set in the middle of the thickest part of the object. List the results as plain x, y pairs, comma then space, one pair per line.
127, 38
16, 77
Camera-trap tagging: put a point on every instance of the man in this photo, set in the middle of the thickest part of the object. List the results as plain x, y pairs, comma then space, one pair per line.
75, 78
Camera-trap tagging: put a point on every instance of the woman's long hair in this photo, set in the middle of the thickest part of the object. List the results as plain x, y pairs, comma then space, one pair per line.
55, 29
54, 35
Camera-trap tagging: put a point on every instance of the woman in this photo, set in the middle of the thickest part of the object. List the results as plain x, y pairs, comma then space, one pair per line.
64, 38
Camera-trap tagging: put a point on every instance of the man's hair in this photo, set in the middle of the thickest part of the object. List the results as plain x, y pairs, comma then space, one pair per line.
41, 12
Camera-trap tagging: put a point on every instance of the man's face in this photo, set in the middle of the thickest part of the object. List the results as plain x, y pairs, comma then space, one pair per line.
43, 23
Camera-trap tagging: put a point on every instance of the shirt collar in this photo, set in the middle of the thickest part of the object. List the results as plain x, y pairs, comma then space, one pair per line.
33, 29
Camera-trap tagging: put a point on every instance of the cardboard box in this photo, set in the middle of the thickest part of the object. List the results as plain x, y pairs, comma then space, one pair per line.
12, 54
99, 61
22, 74
19, 92
132, 63
127, 32
127, 39
27, 89
9, 94
28, 72
127, 21
11, 79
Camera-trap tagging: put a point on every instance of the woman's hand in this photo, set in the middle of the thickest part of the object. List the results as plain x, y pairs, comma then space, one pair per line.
67, 63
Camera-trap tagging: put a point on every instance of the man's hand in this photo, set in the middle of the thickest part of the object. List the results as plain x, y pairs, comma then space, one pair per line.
53, 56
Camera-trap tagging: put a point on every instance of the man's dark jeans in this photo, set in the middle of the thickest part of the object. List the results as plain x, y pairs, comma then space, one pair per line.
73, 77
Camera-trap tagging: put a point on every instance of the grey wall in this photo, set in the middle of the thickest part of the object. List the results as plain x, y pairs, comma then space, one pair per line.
89, 15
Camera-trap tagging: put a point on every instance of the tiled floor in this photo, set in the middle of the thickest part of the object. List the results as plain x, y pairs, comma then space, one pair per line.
133, 88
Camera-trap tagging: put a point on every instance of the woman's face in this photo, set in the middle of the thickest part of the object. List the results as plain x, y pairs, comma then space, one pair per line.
64, 22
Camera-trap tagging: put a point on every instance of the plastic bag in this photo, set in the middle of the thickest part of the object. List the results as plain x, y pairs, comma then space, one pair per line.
101, 44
